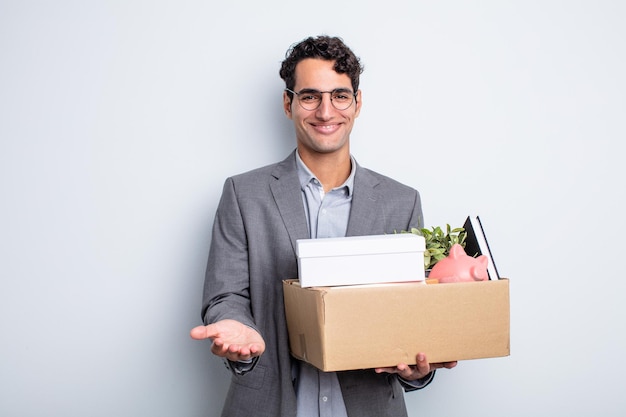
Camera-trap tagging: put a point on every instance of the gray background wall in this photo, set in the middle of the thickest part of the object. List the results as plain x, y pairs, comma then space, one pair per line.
119, 121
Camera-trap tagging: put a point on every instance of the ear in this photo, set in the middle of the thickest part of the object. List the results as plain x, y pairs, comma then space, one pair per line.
359, 102
287, 104
456, 251
479, 272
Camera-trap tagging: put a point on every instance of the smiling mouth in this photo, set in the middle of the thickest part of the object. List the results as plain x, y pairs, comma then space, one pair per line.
326, 128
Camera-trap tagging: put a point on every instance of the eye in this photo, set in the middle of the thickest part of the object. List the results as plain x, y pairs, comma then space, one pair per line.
308, 97
342, 95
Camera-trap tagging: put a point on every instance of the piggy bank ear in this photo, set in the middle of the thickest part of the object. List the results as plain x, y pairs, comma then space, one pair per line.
479, 271
457, 251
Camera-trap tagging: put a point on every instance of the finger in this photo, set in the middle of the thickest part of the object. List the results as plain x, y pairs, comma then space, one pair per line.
241, 351
246, 352
225, 350
256, 350
447, 365
404, 370
422, 366
237, 353
234, 353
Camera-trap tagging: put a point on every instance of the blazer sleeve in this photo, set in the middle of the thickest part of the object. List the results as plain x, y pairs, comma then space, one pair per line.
226, 292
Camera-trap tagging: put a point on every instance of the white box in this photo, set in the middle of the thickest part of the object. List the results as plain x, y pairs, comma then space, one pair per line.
360, 260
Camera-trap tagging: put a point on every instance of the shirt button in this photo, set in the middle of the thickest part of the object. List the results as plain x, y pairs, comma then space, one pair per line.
324, 398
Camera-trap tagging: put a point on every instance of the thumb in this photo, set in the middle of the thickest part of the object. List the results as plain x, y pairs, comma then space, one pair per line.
201, 333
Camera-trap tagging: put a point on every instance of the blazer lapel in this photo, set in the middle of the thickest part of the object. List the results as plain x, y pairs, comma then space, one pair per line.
285, 188
367, 206
366, 213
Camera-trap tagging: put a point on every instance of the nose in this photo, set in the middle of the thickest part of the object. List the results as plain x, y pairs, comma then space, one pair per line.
325, 110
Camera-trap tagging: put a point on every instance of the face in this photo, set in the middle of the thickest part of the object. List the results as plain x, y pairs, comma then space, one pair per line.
326, 129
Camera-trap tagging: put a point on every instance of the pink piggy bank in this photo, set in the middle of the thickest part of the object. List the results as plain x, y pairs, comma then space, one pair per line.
460, 267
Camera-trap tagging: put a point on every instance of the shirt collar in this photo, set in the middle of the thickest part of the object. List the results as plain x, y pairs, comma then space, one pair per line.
306, 176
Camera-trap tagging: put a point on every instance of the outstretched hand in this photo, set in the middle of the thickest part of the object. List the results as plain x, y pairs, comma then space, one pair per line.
231, 340
420, 370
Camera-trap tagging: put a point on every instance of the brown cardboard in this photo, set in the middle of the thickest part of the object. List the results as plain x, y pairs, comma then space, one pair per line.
370, 326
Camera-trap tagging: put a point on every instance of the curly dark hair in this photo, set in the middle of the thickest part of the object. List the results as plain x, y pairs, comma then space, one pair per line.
323, 47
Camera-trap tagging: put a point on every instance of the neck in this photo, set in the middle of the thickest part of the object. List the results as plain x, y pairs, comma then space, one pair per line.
332, 169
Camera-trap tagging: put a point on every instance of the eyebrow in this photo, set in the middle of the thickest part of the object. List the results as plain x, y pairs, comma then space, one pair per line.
336, 90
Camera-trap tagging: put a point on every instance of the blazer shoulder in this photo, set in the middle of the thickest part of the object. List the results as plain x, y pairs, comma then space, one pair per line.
384, 184
265, 173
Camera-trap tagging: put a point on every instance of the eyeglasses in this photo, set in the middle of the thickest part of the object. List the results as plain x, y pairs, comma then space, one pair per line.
341, 98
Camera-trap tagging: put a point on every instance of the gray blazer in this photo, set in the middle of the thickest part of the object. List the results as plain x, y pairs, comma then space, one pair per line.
259, 218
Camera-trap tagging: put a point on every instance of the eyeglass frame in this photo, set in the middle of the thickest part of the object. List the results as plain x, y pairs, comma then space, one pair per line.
312, 90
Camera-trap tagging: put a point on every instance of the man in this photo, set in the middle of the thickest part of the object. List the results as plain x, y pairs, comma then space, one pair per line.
318, 191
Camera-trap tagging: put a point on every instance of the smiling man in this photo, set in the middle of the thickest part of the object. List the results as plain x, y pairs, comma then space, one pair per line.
318, 191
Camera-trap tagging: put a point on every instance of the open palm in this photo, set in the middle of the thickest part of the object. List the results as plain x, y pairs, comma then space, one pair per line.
231, 339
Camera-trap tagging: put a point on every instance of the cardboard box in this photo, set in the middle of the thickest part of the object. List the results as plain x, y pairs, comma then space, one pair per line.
360, 260
370, 326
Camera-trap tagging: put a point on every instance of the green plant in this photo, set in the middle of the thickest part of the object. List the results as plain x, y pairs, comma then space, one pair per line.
438, 242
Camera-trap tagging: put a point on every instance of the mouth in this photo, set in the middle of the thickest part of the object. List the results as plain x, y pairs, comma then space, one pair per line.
327, 128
